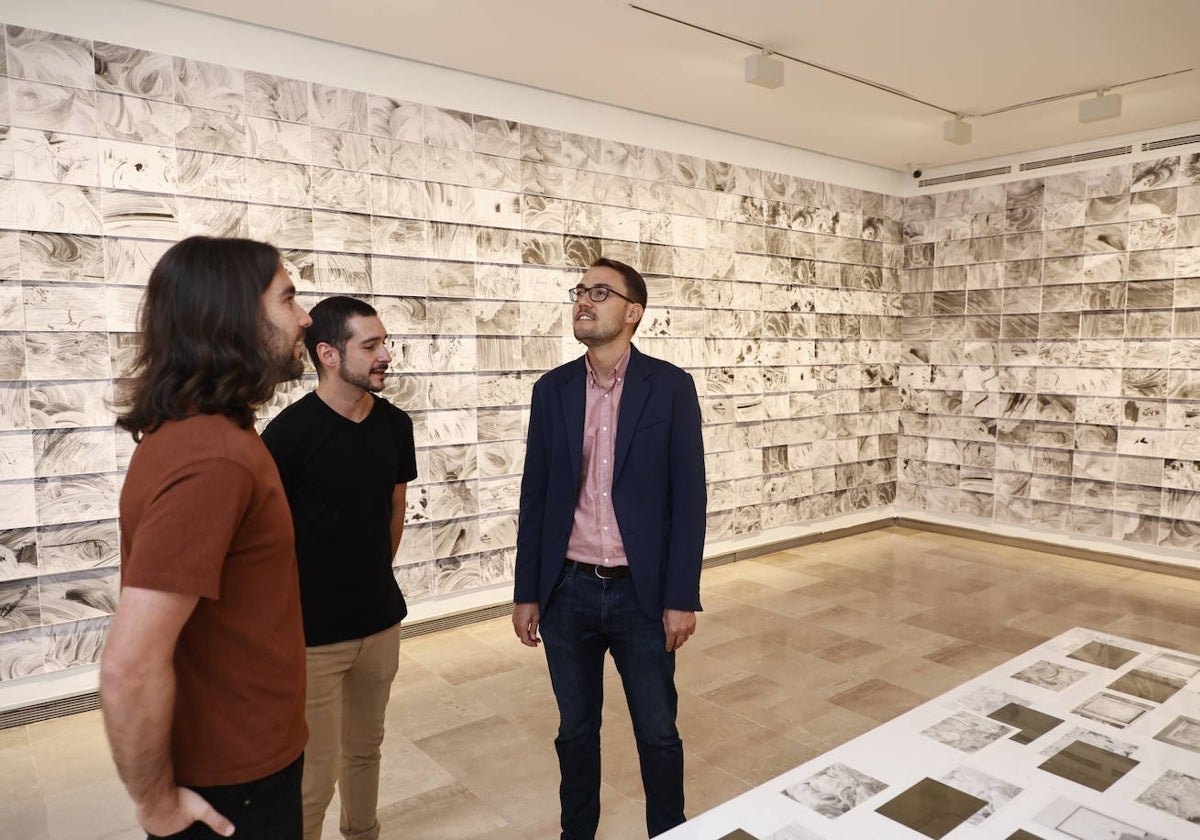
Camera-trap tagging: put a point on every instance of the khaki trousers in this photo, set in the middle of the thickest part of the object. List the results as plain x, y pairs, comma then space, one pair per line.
348, 688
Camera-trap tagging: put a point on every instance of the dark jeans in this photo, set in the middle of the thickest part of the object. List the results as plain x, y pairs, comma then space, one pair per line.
266, 809
587, 616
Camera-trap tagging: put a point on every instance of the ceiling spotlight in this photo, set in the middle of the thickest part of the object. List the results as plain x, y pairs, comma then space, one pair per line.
1103, 107
957, 131
764, 71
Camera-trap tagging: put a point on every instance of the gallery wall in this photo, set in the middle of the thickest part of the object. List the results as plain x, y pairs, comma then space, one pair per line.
1050, 366
780, 294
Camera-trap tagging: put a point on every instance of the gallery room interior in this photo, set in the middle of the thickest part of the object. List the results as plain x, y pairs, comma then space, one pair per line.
933, 267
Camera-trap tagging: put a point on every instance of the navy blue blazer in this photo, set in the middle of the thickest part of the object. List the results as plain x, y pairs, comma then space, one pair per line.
658, 490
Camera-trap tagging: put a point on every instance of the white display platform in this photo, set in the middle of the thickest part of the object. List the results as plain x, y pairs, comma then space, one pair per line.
1122, 762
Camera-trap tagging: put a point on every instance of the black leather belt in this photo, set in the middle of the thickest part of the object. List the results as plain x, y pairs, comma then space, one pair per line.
602, 572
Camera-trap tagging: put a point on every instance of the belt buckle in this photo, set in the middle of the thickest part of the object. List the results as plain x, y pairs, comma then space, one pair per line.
596, 571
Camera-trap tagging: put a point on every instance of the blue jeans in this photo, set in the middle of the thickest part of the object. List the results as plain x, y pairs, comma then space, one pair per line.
585, 617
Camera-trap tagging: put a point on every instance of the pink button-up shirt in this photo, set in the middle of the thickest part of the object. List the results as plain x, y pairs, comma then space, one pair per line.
595, 537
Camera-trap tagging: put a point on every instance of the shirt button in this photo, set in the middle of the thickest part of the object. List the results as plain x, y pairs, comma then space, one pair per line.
604, 428
606, 560
605, 461
605, 493
605, 527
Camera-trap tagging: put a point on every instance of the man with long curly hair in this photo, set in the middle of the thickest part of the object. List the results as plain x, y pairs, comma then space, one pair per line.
202, 678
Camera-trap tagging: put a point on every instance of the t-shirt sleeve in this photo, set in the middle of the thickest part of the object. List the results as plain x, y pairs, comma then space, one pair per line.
183, 535
402, 427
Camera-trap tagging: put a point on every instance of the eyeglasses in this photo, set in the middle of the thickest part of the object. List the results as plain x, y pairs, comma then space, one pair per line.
596, 294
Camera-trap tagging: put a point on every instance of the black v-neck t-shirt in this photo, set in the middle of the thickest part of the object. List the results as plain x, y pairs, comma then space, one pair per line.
339, 476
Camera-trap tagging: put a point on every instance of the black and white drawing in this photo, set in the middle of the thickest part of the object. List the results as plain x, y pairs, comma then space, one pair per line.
1083, 823
18, 554
1182, 732
834, 790
77, 546
1112, 709
1173, 665
967, 732
1049, 675
79, 595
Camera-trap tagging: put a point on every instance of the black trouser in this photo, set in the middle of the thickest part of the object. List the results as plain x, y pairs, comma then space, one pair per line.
265, 809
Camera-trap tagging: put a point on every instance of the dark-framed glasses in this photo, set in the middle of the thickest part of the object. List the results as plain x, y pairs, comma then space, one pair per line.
596, 294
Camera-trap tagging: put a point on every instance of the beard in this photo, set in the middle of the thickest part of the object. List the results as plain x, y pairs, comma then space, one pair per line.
281, 355
361, 380
594, 333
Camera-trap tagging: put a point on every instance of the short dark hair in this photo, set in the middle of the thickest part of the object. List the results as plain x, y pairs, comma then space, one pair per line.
634, 282
331, 323
203, 347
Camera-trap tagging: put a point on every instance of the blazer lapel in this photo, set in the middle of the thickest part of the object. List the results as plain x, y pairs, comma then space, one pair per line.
633, 400
571, 394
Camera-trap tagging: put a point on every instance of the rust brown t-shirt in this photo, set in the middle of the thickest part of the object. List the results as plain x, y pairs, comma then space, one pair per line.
203, 513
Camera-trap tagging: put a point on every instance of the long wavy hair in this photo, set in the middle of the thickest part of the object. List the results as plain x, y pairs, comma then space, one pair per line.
203, 349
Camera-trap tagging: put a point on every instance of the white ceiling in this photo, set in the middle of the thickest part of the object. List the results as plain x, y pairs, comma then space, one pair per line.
969, 56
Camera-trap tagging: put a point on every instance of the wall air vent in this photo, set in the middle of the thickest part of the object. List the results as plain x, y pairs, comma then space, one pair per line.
1042, 164
945, 179
50, 710
1079, 158
1102, 153
986, 173
1171, 142
964, 176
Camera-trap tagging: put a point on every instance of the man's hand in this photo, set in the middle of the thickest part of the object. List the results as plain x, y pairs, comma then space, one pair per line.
526, 617
679, 625
176, 813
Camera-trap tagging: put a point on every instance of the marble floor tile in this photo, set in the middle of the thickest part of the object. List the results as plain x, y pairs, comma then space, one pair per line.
448, 812
877, 699
69, 752
754, 759
918, 675
754, 698
22, 804
97, 810
967, 656
488, 773
858, 651
424, 704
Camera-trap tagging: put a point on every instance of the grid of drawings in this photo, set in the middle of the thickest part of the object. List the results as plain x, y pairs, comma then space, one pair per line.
1050, 369
780, 295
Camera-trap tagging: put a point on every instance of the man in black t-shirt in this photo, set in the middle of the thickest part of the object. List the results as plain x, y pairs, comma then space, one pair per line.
345, 457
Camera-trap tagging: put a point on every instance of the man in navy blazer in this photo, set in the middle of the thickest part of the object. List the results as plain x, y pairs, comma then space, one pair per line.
610, 542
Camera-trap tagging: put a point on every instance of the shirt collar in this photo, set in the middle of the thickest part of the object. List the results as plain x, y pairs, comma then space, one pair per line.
618, 374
